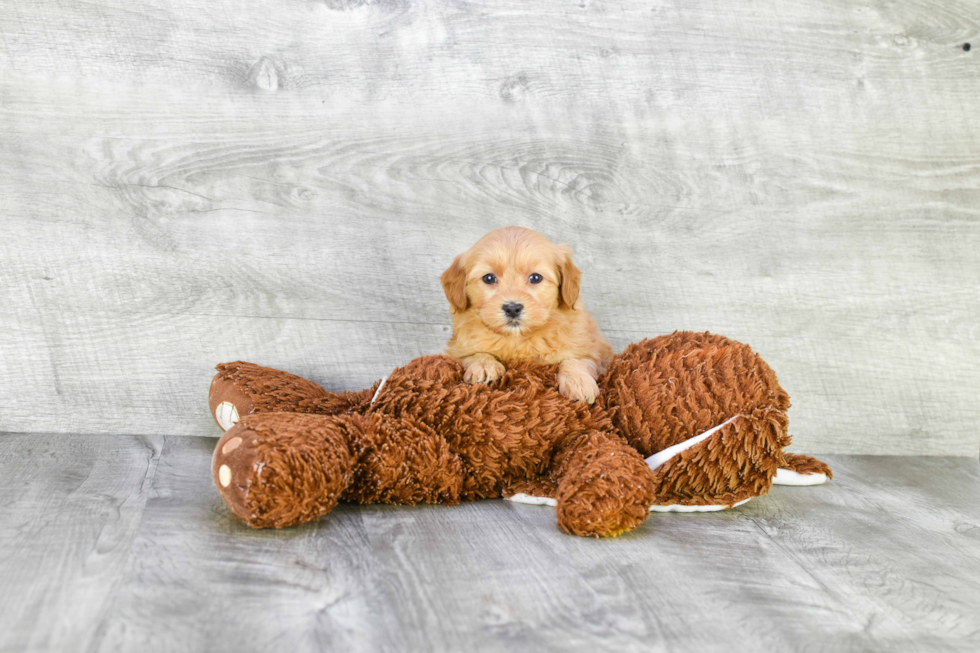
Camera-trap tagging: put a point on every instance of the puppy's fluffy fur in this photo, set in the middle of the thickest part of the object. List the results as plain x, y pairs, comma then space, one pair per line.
551, 326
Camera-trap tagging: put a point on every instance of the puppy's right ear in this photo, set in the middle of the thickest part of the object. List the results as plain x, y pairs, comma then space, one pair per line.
454, 285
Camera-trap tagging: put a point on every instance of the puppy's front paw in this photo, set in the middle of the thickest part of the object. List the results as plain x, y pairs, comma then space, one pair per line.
484, 369
578, 386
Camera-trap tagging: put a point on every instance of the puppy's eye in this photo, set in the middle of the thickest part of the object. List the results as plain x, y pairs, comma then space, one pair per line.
489, 279
536, 278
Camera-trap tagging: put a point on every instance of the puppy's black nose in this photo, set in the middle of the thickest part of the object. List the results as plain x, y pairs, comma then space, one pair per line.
513, 309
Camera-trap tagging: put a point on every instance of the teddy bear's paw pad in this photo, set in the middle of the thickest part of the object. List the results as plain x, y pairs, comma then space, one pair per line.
531, 500
226, 415
676, 507
789, 477
224, 471
224, 475
232, 468
228, 402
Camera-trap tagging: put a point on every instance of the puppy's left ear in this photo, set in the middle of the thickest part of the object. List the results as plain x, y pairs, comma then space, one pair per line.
454, 285
569, 278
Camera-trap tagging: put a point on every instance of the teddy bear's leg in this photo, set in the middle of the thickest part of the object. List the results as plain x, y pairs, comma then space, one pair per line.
281, 469
661, 458
722, 467
241, 388
604, 486
793, 469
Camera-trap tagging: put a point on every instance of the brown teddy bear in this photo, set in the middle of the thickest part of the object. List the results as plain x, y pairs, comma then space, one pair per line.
688, 421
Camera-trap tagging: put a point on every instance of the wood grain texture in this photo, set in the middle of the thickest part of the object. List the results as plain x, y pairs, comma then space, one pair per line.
71, 508
882, 558
188, 182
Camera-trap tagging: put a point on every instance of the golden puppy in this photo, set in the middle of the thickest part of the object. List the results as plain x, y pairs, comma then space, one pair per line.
514, 296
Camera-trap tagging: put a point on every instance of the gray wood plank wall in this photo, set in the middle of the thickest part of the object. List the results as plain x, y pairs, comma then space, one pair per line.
185, 182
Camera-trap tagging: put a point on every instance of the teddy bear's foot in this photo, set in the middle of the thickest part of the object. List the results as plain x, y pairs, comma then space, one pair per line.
720, 468
802, 470
281, 469
660, 458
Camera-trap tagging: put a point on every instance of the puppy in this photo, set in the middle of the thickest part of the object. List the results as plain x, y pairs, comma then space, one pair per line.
514, 296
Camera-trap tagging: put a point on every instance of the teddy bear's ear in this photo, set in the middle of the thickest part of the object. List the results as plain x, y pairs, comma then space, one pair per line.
569, 278
454, 285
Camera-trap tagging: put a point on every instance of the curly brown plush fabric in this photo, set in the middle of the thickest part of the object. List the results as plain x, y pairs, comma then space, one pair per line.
262, 390
660, 392
503, 432
806, 465
430, 437
284, 468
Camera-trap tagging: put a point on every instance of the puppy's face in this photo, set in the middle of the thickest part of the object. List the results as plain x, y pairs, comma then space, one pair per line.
513, 279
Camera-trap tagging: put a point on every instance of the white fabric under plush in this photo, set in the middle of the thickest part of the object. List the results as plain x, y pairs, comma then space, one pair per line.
789, 477
673, 507
530, 500
679, 507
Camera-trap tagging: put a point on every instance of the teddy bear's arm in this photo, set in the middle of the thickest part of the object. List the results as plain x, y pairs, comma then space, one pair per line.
277, 469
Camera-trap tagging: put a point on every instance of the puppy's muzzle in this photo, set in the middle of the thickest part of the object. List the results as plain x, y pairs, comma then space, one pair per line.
512, 310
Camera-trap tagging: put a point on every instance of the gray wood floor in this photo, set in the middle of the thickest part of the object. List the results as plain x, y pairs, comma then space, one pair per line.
121, 544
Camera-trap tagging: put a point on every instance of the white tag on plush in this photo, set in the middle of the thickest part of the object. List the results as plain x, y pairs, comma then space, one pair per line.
378, 391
